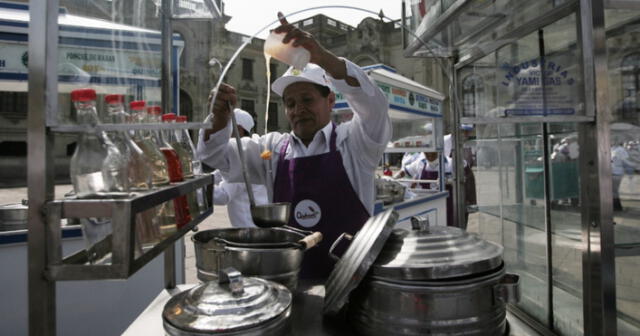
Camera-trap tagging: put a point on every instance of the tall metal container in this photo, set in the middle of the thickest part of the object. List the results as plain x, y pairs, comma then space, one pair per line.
434, 281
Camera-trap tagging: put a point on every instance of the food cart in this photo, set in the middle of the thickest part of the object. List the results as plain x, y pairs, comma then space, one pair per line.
50, 52
416, 117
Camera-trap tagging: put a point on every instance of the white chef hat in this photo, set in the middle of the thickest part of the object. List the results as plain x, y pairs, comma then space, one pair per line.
311, 73
244, 119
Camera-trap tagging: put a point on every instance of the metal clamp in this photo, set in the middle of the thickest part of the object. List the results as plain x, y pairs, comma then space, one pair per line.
234, 278
335, 243
420, 223
508, 289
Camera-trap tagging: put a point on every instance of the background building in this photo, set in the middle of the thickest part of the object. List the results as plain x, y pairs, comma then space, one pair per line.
208, 47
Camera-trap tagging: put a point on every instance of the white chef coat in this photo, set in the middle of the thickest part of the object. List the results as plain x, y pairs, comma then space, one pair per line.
234, 196
361, 141
414, 170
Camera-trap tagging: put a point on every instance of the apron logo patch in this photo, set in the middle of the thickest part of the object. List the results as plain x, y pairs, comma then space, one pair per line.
307, 213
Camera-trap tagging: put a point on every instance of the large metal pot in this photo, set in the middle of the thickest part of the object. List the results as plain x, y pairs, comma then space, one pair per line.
434, 281
13, 216
234, 305
274, 254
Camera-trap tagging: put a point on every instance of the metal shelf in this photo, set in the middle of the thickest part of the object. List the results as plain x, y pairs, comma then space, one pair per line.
121, 243
68, 128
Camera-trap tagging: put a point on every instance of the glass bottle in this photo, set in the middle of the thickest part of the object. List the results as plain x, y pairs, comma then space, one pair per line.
180, 203
183, 137
97, 169
165, 220
160, 173
184, 152
186, 160
139, 168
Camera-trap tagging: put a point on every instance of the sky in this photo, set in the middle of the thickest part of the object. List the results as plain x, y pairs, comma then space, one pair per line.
249, 16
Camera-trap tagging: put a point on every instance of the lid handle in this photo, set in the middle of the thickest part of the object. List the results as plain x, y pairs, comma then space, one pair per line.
335, 243
233, 277
420, 223
508, 289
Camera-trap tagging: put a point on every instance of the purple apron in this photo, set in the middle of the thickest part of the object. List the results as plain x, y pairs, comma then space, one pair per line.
433, 175
322, 199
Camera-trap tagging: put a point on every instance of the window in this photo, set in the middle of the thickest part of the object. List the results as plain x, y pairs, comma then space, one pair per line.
307, 22
331, 22
273, 117
472, 92
273, 70
13, 105
247, 69
248, 105
630, 71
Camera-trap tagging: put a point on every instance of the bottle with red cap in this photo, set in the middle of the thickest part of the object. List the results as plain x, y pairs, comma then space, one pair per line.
97, 167
186, 161
138, 165
184, 153
183, 138
181, 206
140, 173
160, 172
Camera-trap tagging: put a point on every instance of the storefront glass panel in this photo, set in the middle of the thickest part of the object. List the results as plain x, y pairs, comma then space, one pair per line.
623, 48
510, 167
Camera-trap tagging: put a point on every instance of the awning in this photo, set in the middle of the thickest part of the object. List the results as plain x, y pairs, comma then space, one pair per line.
91, 52
407, 98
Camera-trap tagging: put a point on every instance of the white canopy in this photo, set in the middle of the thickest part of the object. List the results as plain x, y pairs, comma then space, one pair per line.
407, 98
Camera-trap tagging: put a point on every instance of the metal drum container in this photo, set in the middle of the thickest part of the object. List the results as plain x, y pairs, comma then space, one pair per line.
434, 281
273, 254
13, 216
234, 305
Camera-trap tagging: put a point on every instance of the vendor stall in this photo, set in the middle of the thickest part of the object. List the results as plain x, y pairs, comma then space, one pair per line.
416, 116
49, 53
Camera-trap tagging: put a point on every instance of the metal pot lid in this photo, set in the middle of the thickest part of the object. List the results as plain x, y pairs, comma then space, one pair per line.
355, 262
437, 252
230, 304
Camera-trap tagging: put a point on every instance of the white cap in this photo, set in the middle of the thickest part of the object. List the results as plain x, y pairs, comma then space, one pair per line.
244, 119
311, 73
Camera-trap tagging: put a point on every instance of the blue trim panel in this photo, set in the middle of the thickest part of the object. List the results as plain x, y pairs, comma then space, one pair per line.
396, 107
22, 236
421, 200
14, 24
410, 110
108, 44
13, 5
93, 80
379, 66
14, 37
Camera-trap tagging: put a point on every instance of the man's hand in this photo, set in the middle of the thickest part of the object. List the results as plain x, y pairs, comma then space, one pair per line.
319, 55
221, 113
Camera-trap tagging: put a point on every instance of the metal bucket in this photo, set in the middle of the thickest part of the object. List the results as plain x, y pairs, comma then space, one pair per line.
273, 254
473, 305
13, 216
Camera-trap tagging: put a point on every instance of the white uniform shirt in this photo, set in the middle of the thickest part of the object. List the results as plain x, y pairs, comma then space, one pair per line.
619, 160
234, 196
414, 170
361, 141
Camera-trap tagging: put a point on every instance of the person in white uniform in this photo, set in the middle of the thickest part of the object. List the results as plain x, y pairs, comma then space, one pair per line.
325, 171
234, 195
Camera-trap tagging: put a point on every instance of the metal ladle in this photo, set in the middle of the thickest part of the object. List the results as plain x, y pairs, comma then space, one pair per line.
267, 215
